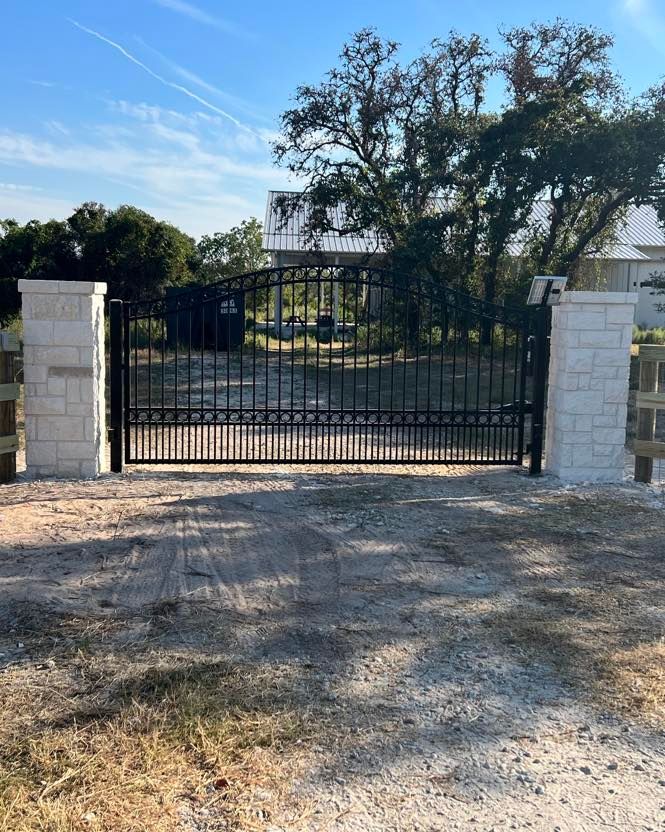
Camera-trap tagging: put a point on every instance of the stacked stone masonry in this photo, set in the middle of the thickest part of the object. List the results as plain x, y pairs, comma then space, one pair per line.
64, 375
588, 385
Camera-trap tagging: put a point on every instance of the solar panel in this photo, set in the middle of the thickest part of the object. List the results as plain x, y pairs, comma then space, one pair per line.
546, 291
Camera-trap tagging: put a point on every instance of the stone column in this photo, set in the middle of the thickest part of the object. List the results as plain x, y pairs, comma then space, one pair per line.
64, 375
588, 386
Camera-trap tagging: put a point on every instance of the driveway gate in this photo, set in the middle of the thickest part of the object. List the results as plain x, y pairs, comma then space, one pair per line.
325, 364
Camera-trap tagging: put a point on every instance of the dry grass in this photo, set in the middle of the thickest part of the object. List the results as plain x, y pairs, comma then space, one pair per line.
128, 741
597, 643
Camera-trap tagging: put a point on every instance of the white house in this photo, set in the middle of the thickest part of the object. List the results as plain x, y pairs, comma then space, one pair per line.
625, 266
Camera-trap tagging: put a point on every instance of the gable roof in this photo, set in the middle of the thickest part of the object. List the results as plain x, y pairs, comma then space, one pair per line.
279, 236
641, 228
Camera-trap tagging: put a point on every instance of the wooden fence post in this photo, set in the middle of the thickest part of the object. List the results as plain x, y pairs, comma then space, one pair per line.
9, 392
649, 400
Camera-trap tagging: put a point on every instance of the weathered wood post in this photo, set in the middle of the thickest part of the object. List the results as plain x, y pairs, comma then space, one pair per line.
9, 393
648, 401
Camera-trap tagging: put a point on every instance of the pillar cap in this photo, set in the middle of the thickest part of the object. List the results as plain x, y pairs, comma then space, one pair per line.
61, 287
600, 297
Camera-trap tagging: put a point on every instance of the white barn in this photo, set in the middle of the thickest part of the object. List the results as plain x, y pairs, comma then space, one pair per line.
627, 265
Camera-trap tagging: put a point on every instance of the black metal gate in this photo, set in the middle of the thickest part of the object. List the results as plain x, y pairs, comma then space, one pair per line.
324, 364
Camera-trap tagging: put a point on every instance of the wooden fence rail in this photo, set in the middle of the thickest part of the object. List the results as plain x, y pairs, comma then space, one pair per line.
649, 401
9, 392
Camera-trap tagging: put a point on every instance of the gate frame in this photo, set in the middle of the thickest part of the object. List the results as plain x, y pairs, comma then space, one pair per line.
117, 386
537, 321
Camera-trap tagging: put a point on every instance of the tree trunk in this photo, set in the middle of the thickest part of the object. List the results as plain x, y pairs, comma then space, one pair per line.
489, 295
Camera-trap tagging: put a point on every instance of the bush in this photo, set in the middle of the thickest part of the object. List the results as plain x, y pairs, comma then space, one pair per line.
655, 335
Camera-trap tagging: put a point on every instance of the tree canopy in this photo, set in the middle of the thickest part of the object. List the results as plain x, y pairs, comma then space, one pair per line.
232, 252
448, 183
137, 255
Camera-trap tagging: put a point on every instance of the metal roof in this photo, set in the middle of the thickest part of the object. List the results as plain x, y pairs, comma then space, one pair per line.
619, 251
287, 234
641, 228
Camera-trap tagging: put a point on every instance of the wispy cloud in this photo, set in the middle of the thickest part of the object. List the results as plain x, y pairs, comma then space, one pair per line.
646, 19
188, 75
12, 186
195, 169
201, 16
172, 84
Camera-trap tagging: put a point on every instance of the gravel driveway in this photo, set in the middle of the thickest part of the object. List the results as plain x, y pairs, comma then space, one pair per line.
474, 649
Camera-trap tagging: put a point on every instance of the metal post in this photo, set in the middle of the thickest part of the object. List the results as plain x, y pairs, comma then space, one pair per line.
540, 364
115, 312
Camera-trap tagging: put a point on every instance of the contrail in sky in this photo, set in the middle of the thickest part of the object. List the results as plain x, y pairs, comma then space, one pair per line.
162, 80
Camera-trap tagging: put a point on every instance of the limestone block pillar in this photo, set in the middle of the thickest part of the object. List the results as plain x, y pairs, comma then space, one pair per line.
588, 386
64, 375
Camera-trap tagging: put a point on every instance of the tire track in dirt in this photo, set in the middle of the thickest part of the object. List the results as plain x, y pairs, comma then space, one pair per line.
248, 551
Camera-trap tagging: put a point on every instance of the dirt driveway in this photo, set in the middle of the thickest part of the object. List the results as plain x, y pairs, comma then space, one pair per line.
453, 649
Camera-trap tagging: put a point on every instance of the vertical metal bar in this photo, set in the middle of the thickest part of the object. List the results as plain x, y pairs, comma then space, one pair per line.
481, 327
393, 327
306, 429
127, 381
331, 426
467, 339
230, 452
454, 434
429, 378
490, 434
416, 416
522, 395
254, 311
405, 348
291, 429
214, 378
379, 407
149, 386
516, 355
444, 320
278, 332
272, 425
163, 337
503, 386
318, 362
241, 418
204, 309
356, 328
115, 314
189, 383
136, 387
368, 428
176, 398
344, 447
539, 381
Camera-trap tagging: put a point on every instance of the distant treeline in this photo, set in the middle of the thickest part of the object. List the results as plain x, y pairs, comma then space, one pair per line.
137, 255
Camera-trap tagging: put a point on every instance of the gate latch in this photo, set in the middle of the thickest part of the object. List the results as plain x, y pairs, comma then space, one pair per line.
112, 433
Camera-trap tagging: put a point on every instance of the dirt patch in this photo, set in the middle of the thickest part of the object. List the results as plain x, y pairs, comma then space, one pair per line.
331, 649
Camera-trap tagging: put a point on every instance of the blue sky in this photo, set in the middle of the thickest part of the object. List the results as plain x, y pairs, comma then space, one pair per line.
171, 104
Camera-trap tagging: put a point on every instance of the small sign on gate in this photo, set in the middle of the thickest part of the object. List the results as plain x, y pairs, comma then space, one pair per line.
216, 323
